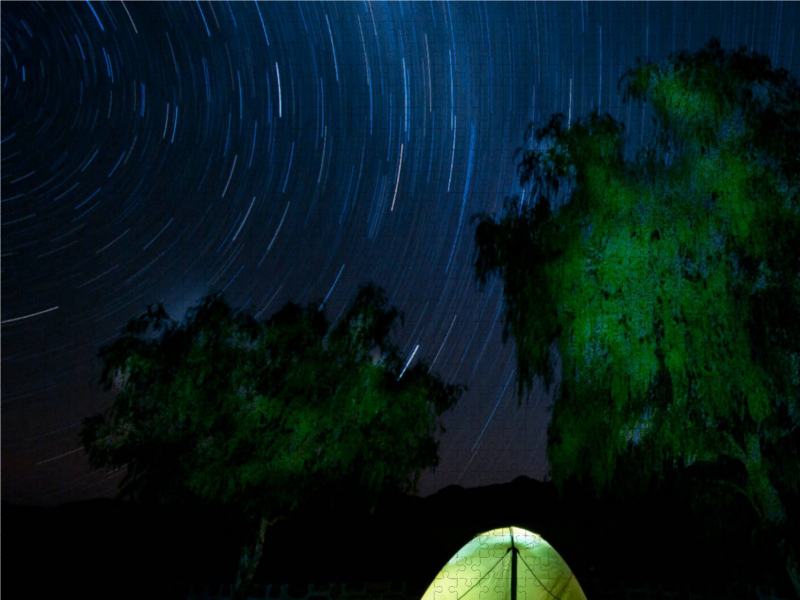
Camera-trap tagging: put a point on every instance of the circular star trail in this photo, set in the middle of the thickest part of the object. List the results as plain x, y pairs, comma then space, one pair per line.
290, 152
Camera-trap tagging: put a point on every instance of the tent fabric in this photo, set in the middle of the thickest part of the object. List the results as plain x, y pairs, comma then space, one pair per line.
484, 570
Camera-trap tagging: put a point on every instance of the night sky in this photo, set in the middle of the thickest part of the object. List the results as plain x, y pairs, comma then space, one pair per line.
290, 152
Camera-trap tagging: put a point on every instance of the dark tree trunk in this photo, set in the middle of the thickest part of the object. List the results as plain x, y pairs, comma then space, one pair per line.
792, 567
771, 510
249, 561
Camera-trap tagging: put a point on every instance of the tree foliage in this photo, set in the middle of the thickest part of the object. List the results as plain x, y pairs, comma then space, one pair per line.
224, 411
669, 282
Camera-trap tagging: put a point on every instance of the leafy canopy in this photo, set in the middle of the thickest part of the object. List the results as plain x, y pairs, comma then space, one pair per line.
668, 282
223, 410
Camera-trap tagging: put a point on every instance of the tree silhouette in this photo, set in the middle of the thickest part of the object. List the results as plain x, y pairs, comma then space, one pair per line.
221, 410
669, 283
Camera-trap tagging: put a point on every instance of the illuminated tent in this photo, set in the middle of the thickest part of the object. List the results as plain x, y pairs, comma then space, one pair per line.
505, 564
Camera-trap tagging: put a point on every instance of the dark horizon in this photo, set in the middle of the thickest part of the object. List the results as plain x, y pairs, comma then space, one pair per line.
288, 153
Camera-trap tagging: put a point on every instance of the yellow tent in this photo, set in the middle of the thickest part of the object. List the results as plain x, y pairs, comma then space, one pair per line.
505, 564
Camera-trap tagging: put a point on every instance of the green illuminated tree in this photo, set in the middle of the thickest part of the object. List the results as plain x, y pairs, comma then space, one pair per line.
224, 411
668, 283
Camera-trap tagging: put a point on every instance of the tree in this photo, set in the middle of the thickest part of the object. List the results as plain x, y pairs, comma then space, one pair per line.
669, 284
224, 411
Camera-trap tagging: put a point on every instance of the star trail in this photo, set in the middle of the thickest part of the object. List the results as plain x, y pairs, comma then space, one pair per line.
290, 152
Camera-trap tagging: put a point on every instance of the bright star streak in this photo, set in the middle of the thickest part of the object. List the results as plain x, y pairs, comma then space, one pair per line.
491, 415
409, 361
397, 181
29, 316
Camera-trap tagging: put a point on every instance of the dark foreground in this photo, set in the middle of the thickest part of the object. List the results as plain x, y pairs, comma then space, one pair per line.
112, 549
